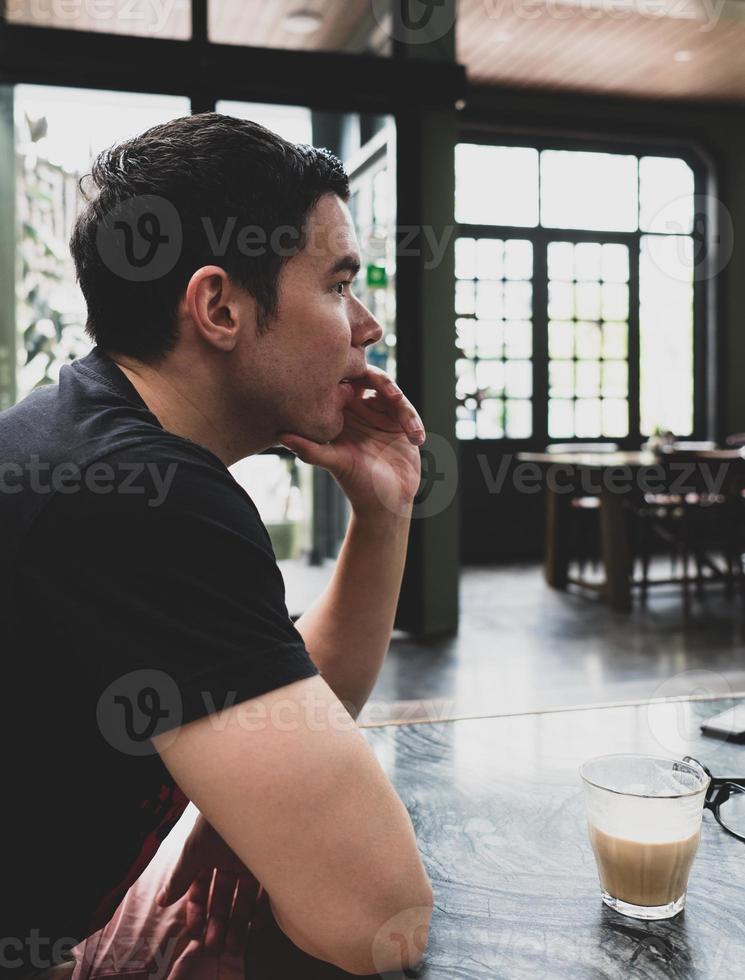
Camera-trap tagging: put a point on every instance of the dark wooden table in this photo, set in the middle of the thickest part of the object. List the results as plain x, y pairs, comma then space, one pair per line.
616, 475
498, 810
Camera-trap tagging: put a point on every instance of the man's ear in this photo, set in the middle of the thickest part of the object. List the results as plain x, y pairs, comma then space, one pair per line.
216, 306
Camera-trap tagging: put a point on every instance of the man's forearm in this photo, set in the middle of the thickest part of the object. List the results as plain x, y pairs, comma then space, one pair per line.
348, 629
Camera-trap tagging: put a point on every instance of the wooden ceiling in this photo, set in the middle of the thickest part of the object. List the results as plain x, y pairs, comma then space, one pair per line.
594, 48
691, 49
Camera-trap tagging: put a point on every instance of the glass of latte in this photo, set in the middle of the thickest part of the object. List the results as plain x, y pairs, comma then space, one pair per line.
644, 820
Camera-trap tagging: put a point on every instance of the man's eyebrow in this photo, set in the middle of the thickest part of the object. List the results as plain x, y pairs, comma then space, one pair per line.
347, 263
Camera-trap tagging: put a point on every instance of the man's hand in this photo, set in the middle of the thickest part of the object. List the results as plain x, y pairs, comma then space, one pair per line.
375, 459
222, 893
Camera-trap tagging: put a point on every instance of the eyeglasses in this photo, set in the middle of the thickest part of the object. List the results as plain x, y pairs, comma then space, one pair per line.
726, 800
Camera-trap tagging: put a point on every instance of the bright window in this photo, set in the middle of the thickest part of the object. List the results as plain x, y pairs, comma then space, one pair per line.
574, 296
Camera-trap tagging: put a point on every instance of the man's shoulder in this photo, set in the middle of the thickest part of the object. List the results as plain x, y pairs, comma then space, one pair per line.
163, 474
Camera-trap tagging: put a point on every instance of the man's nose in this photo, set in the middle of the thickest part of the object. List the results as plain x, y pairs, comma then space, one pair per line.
367, 331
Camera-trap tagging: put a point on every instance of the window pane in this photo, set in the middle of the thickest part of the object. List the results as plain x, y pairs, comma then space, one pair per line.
489, 303
615, 340
518, 338
292, 122
560, 339
335, 25
561, 300
496, 185
560, 418
518, 259
465, 298
499, 340
466, 336
615, 417
666, 334
489, 338
490, 378
561, 261
518, 300
490, 419
666, 196
588, 379
465, 258
518, 379
58, 131
466, 378
465, 428
588, 418
587, 303
587, 256
168, 20
588, 190
588, 340
519, 419
615, 301
489, 263
576, 349
615, 379
561, 379
615, 263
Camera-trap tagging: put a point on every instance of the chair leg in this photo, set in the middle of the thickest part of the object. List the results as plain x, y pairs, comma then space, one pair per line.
645, 548
685, 558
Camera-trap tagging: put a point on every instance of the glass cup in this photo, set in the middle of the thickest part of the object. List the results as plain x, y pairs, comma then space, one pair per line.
644, 819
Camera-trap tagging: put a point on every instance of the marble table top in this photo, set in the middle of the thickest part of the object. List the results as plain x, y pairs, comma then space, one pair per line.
498, 810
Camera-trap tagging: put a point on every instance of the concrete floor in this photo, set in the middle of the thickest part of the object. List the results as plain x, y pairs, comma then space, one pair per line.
524, 647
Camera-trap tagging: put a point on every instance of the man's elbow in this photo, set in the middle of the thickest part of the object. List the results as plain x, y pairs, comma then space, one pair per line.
394, 942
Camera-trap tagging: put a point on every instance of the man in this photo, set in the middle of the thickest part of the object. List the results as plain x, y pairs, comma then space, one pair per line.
151, 660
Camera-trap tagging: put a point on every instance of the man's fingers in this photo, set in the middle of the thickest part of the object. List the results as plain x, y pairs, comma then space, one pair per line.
178, 883
197, 904
244, 906
315, 453
218, 916
398, 405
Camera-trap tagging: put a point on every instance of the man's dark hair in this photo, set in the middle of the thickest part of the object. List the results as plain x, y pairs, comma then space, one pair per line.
218, 173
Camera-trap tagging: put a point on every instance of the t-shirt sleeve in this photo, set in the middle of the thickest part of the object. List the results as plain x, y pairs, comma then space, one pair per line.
161, 579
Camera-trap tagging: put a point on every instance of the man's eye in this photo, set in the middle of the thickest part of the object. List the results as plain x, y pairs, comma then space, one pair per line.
341, 286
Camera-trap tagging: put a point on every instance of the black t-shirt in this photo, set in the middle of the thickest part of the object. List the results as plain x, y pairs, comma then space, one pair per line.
139, 591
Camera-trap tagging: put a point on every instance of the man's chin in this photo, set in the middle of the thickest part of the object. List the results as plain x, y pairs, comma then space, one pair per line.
322, 432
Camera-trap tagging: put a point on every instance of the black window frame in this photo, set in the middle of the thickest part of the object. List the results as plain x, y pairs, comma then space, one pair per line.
705, 325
